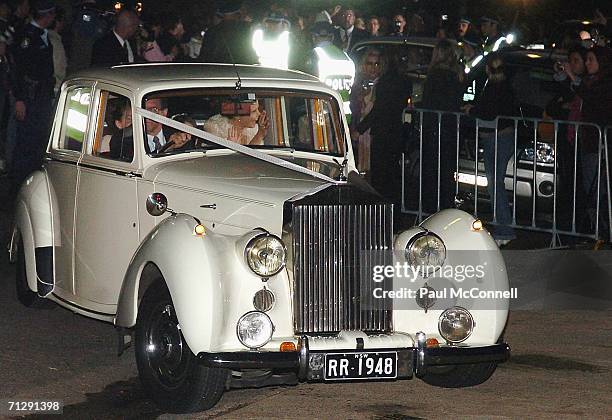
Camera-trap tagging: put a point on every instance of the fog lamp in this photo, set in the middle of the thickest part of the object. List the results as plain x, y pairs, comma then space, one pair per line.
254, 329
456, 324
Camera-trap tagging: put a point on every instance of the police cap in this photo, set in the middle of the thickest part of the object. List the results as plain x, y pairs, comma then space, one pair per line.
44, 6
227, 7
489, 19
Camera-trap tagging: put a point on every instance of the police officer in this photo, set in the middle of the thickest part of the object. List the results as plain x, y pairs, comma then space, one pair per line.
32, 84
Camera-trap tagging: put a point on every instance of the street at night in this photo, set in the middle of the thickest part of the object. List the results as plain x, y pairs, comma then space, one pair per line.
255, 209
561, 367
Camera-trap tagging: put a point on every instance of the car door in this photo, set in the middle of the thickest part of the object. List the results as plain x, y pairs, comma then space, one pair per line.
70, 131
106, 223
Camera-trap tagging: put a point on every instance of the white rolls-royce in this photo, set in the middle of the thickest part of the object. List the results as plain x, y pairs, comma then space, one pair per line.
214, 215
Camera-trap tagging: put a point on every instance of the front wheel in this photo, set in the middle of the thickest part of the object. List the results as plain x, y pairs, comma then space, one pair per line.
459, 376
168, 369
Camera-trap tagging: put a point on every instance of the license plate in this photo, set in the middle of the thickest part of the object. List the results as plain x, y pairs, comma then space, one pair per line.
347, 366
471, 179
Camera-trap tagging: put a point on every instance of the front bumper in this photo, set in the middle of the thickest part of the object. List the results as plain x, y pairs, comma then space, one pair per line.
309, 365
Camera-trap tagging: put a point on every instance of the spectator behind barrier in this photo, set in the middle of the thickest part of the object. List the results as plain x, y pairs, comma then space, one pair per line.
443, 91
566, 106
362, 98
596, 92
497, 98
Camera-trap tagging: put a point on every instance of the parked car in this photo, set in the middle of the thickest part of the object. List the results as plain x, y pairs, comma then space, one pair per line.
531, 72
234, 265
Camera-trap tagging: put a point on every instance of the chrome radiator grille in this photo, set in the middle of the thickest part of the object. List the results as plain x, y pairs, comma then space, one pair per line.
328, 263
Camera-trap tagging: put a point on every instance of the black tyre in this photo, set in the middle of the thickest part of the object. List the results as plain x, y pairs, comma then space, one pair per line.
459, 376
26, 296
168, 369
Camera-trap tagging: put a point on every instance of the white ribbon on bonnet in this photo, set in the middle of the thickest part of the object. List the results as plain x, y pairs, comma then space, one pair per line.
231, 145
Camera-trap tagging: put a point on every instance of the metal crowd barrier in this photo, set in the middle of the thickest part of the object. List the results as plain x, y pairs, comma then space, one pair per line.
525, 173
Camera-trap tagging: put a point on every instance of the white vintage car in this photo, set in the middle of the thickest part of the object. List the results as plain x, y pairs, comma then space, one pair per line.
213, 213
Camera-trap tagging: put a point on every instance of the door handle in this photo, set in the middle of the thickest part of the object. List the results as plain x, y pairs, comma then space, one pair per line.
209, 206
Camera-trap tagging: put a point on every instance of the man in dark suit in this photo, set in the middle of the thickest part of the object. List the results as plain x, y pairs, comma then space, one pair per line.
351, 35
116, 47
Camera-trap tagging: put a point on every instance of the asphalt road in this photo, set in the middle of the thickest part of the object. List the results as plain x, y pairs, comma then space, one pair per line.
561, 367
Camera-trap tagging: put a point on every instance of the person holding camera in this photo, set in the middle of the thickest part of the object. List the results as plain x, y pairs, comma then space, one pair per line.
399, 25
567, 106
497, 140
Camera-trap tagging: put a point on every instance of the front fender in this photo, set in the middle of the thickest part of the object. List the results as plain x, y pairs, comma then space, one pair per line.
465, 246
189, 265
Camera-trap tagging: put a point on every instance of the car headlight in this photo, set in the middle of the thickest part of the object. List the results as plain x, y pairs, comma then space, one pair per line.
254, 329
427, 249
456, 324
266, 255
545, 153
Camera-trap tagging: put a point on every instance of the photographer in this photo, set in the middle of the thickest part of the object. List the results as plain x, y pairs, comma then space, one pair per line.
567, 106
399, 25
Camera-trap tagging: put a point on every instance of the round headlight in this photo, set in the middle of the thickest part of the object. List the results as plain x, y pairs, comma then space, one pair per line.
427, 250
456, 324
266, 255
254, 329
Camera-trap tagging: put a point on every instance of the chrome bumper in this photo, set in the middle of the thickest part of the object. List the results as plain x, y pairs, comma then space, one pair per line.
309, 365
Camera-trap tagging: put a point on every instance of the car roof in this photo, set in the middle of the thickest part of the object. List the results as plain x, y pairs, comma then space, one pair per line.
150, 74
396, 40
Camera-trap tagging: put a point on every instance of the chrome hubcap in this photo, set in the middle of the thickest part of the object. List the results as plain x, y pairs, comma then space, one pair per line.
166, 349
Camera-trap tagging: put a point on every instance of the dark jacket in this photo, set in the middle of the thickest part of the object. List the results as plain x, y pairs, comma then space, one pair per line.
229, 41
107, 51
122, 145
496, 99
555, 107
356, 36
596, 108
442, 91
597, 101
33, 71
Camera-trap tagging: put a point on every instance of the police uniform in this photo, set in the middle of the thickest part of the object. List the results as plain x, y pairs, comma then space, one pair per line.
32, 82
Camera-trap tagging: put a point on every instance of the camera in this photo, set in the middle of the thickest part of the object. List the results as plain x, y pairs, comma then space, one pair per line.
559, 67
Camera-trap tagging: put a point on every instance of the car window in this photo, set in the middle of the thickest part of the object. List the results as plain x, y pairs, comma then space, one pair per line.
114, 134
260, 119
75, 118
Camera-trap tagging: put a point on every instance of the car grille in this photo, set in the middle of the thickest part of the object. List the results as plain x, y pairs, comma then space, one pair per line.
328, 241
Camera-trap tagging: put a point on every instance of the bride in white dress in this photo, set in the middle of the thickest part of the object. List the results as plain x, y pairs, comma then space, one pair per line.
249, 129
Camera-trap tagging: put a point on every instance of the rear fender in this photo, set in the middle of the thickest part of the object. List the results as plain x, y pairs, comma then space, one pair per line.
34, 224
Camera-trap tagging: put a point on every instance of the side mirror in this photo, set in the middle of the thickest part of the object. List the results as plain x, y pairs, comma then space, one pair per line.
157, 204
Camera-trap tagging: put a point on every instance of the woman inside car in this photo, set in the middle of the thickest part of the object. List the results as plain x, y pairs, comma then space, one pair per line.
248, 129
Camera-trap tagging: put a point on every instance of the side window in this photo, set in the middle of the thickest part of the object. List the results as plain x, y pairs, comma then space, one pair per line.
75, 118
114, 133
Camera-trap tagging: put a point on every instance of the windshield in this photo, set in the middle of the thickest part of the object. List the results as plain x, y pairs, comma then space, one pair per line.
302, 121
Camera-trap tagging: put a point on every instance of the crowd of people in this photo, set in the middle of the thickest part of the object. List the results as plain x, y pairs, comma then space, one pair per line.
38, 49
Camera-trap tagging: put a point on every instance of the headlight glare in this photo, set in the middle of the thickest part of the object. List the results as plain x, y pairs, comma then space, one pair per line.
426, 250
456, 324
254, 329
266, 255
545, 153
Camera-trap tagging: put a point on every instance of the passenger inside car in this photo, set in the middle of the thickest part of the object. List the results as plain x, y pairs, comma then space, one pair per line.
248, 129
122, 141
